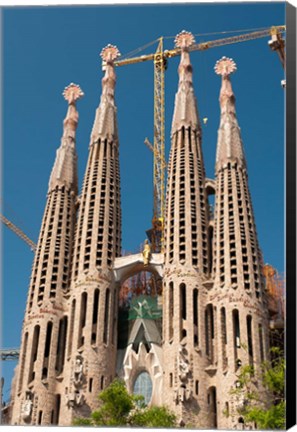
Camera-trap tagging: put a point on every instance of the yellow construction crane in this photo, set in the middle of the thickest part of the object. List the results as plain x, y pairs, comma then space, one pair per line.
160, 58
18, 232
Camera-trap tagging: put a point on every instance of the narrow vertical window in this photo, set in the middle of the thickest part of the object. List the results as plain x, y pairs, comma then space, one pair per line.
236, 336
210, 239
250, 340
90, 385
195, 317
106, 316
39, 418
47, 349
196, 387
183, 309
212, 400
95, 316
183, 301
261, 342
34, 351
71, 327
61, 345
102, 382
209, 333
115, 309
224, 337
57, 409
23, 361
171, 310
82, 318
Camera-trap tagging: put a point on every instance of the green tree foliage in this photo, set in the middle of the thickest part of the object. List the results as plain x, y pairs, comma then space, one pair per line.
154, 417
119, 408
262, 397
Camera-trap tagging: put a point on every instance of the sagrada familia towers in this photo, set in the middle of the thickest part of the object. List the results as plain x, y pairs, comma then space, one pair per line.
210, 317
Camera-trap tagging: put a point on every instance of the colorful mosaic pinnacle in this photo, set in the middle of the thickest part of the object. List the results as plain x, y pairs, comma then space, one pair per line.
225, 66
110, 53
72, 93
184, 39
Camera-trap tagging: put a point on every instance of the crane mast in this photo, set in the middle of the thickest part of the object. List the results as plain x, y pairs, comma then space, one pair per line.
156, 233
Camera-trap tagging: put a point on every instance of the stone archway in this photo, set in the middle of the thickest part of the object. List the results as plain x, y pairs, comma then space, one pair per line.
127, 266
142, 351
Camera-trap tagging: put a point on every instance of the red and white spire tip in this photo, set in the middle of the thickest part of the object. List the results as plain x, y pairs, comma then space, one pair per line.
72, 93
225, 66
110, 53
184, 39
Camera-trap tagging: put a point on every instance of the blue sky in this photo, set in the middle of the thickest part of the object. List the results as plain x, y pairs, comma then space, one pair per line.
46, 48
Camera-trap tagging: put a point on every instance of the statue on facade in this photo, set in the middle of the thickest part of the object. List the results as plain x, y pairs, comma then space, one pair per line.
75, 399
182, 392
146, 253
78, 371
183, 365
27, 405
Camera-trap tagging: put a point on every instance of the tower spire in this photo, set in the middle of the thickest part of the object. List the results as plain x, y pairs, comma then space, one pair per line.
185, 112
105, 121
229, 138
238, 287
92, 351
65, 167
187, 249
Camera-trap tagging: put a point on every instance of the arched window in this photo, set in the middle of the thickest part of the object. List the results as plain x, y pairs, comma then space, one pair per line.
143, 386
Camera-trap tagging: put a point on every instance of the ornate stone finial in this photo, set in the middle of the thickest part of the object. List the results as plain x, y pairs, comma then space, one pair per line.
72, 93
184, 39
225, 66
110, 53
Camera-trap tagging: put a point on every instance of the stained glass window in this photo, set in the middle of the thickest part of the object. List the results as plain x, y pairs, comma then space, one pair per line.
143, 386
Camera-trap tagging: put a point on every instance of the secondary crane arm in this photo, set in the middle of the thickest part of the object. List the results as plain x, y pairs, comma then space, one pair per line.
9, 353
18, 232
206, 45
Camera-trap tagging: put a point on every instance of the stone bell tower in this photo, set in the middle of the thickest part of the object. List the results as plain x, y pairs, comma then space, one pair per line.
186, 266
91, 345
42, 357
236, 312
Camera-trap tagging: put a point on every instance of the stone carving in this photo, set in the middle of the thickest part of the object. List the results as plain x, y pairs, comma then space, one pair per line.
75, 399
182, 392
78, 371
27, 405
183, 365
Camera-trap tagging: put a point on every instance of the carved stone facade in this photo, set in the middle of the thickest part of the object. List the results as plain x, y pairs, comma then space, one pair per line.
210, 316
